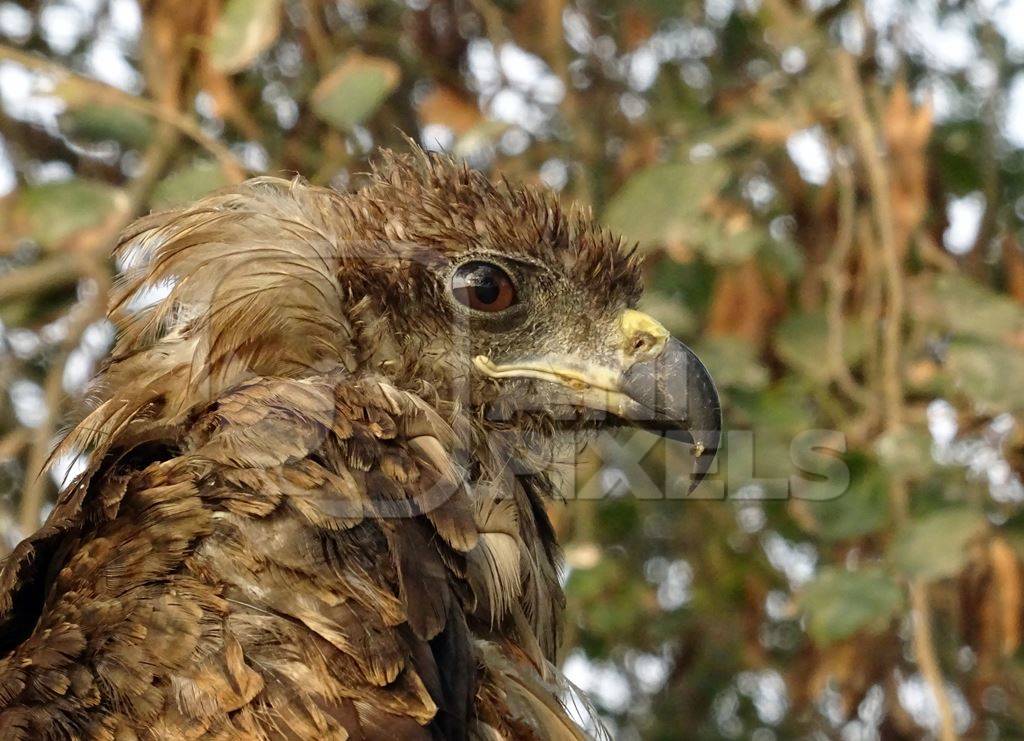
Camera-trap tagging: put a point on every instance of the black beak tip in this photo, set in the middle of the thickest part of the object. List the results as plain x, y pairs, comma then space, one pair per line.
706, 422
679, 390
704, 441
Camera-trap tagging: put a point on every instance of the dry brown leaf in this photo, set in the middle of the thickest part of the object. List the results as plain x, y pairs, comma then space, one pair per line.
768, 131
744, 303
536, 26
1013, 261
850, 668
636, 27
446, 106
1006, 578
907, 130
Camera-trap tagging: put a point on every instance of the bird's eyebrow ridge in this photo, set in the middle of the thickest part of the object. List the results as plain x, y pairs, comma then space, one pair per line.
529, 262
492, 254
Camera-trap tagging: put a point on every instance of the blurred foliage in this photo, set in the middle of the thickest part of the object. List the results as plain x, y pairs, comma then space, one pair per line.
792, 170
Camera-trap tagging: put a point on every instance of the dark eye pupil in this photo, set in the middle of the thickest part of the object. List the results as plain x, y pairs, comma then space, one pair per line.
487, 289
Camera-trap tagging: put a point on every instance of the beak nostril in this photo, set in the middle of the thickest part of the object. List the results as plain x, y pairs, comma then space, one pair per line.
641, 335
642, 342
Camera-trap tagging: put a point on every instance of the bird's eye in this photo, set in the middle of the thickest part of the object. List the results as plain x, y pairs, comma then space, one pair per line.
483, 286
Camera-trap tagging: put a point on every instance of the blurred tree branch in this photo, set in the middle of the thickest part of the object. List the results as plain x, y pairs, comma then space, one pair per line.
99, 92
868, 141
792, 199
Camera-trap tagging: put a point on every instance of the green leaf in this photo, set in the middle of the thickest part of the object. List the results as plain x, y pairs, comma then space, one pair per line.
244, 30
907, 452
729, 243
52, 212
663, 203
782, 256
783, 408
354, 90
955, 144
690, 284
674, 314
103, 123
802, 341
733, 362
963, 306
774, 416
610, 597
860, 510
988, 373
934, 546
841, 603
187, 184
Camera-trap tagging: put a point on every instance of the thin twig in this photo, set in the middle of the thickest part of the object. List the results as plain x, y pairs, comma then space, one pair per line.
988, 148
100, 92
12, 443
924, 649
153, 163
867, 140
31, 501
52, 272
878, 179
871, 308
837, 284
934, 255
319, 40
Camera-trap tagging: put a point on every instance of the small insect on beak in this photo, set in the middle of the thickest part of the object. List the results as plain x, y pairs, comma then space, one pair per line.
657, 383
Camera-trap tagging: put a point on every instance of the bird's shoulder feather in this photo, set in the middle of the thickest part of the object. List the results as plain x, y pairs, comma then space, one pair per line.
299, 558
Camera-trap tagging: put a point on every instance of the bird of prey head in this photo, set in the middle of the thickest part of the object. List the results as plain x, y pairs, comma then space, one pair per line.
496, 295
531, 306
255, 548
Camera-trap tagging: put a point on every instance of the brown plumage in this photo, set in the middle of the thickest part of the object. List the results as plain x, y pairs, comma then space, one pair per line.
314, 505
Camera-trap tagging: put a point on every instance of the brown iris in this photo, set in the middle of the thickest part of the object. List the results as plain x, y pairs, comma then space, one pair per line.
483, 286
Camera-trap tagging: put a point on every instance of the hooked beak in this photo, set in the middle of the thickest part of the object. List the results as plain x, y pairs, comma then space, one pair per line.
656, 383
